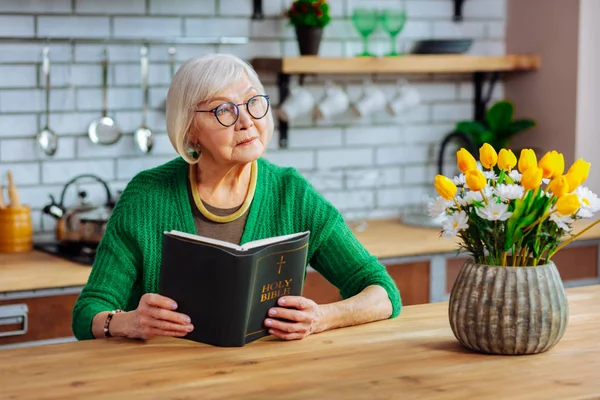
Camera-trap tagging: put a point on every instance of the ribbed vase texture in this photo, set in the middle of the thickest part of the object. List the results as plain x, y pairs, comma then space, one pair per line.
508, 310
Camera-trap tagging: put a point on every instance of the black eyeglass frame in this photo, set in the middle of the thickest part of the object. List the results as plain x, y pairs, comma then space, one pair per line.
214, 110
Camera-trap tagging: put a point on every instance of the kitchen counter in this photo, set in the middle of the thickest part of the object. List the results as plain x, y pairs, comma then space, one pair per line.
383, 238
414, 356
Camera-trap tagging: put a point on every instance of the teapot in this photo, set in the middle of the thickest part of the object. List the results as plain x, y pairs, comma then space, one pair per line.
82, 225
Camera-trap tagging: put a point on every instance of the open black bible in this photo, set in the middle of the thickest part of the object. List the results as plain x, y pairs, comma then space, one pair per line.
227, 289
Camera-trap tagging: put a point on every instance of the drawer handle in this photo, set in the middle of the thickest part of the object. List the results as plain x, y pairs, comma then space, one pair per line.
14, 314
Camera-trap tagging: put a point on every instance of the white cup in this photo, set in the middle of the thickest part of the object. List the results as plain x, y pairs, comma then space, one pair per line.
299, 102
372, 100
335, 102
407, 97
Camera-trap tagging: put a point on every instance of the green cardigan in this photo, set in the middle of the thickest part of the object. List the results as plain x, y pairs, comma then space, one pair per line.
128, 257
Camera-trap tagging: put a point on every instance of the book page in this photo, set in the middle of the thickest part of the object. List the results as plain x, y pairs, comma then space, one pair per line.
205, 239
275, 239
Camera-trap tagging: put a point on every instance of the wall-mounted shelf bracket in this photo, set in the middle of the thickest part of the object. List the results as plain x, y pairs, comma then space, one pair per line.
283, 83
480, 102
458, 6
257, 9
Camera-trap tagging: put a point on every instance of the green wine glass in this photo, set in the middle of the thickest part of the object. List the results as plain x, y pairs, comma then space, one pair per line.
393, 22
365, 21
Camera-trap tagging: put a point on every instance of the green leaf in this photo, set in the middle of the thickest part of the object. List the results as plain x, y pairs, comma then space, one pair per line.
473, 128
513, 221
520, 125
499, 116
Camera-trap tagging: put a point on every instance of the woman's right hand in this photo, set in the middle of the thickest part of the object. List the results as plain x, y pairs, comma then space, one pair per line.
155, 316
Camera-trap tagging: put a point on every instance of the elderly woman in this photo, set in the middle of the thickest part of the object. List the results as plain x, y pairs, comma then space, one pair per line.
219, 121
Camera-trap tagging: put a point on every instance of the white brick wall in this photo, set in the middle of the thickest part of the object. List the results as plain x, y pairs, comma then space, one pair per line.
367, 168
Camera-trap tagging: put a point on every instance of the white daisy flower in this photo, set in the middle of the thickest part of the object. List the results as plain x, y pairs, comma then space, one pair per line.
508, 192
460, 180
455, 223
494, 211
561, 221
468, 198
590, 203
515, 175
490, 175
438, 206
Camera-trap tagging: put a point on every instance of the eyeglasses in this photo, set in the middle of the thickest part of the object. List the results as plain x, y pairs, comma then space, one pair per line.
228, 113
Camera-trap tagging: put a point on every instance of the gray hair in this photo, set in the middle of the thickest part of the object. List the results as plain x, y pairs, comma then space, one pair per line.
197, 80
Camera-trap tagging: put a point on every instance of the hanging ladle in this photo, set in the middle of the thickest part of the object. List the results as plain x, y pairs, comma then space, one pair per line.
46, 138
104, 130
143, 135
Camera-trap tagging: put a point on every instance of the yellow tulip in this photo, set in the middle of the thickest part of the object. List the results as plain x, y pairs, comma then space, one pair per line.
445, 187
532, 178
506, 160
488, 156
527, 159
466, 162
559, 186
476, 181
578, 173
568, 204
553, 164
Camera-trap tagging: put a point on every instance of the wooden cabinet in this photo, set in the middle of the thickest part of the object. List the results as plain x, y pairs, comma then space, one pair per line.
48, 317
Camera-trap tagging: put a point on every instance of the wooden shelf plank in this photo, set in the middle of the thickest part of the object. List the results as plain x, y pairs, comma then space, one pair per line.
403, 64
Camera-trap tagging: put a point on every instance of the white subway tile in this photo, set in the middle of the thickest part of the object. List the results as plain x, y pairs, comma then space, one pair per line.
71, 123
344, 158
326, 48
316, 138
416, 30
131, 27
325, 180
39, 196
14, 76
156, 121
86, 75
429, 91
466, 91
16, 26
419, 113
346, 200
157, 95
496, 30
373, 135
267, 28
36, 220
428, 9
158, 74
12, 126
162, 145
20, 100
183, 52
23, 173
452, 112
495, 9
129, 121
339, 29
270, 48
217, 27
392, 197
28, 52
110, 7
299, 159
376, 4
401, 155
116, 53
73, 26
427, 133
28, 150
36, 6
61, 171
88, 150
447, 29
488, 48
419, 174
372, 177
182, 7
337, 8
128, 168
127, 98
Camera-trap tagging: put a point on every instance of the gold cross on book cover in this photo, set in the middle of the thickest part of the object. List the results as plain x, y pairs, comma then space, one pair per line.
227, 289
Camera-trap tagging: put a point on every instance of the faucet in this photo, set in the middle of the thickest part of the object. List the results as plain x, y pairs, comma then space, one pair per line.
468, 143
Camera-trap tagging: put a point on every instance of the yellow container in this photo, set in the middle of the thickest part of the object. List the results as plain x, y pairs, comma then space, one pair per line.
16, 230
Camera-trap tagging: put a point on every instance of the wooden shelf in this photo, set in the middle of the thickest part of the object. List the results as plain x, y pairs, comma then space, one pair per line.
402, 64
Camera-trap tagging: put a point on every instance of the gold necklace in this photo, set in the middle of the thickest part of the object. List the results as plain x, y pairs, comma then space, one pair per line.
225, 218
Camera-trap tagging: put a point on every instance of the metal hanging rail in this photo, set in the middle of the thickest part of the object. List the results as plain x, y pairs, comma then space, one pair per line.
174, 40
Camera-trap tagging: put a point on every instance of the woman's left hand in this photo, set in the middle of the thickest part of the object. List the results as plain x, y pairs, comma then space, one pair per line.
297, 318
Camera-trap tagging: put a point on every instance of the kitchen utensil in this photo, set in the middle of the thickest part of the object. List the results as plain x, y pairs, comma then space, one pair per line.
13, 194
365, 21
104, 130
16, 230
172, 51
442, 46
46, 138
143, 135
82, 225
393, 22
2, 203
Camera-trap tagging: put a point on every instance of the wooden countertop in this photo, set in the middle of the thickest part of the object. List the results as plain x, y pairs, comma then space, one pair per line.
414, 356
383, 238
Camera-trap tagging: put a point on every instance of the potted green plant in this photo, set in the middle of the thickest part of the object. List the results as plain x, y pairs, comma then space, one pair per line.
497, 129
309, 17
508, 297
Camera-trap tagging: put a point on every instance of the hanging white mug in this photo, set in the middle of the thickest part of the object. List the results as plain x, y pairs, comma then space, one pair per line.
300, 101
407, 97
335, 102
372, 100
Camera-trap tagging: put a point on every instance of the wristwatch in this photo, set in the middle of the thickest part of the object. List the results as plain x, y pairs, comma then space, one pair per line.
107, 322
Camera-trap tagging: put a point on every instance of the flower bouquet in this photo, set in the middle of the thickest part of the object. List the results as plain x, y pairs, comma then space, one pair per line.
511, 218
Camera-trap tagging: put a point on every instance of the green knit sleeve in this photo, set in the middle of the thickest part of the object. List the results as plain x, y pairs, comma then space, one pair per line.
337, 254
113, 274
